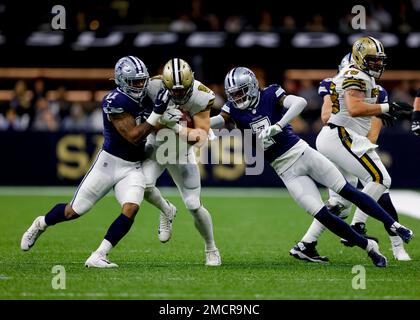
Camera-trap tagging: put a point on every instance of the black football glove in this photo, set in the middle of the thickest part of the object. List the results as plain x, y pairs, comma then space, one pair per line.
400, 110
415, 123
387, 119
161, 101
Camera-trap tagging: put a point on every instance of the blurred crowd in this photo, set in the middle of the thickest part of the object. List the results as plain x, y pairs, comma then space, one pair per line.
263, 15
31, 109
216, 15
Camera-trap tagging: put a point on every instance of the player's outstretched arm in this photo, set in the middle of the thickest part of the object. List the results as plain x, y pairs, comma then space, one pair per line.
294, 106
357, 107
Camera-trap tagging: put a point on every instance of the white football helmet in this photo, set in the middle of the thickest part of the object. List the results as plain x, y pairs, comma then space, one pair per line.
241, 87
131, 76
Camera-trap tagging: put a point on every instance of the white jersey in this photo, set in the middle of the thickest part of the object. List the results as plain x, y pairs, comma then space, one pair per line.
352, 78
202, 98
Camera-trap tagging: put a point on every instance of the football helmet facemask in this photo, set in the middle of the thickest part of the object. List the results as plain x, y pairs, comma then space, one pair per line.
369, 55
241, 87
178, 78
131, 76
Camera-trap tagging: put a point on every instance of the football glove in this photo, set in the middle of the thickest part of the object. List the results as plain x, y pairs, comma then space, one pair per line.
387, 119
400, 110
170, 117
161, 101
415, 123
270, 131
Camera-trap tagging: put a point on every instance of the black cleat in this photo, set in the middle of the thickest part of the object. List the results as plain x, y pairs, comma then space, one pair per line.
360, 228
335, 209
403, 232
307, 251
375, 255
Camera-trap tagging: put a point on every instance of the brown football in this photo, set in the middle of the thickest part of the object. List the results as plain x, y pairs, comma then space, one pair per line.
187, 118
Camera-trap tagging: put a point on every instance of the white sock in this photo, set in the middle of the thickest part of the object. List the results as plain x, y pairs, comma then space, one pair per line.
154, 197
42, 223
314, 232
105, 247
373, 189
204, 225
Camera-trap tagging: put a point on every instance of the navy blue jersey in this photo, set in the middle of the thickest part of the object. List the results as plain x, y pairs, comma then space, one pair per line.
266, 112
324, 89
117, 102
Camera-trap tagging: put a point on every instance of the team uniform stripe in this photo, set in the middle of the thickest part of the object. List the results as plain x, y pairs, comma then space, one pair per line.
211, 102
233, 77
135, 64
350, 82
364, 160
176, 71
378, 49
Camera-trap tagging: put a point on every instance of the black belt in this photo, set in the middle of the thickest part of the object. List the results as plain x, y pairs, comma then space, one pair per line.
332, 126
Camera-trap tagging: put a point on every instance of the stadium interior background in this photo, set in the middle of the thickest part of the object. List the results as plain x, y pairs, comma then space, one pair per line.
52, 81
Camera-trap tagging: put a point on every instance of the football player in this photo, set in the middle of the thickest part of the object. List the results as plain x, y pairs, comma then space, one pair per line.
267, 113
354, 96
306, 248
415, 120
117, 165
195, 99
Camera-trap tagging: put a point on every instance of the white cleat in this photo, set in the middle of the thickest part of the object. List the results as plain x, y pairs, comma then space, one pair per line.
165, 223
213, 258
398, 249
30, 236
99, 260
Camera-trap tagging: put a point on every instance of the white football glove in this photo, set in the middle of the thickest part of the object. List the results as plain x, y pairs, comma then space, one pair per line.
170, 117
270, 131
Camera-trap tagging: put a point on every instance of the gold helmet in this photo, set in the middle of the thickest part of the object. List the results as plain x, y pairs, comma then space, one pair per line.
178, 79
368, 54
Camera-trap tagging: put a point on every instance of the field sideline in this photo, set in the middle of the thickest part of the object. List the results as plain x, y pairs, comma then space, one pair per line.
254, 229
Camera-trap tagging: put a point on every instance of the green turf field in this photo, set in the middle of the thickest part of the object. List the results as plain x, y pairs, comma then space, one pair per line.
253, 234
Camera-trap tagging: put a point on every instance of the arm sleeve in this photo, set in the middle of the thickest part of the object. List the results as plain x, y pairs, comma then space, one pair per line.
294, 106
217, 122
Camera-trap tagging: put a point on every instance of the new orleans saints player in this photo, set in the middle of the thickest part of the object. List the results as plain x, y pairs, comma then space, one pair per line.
194, 98
344, 140
306, 248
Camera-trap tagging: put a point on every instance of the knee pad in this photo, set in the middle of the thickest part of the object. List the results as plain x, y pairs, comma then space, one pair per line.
192, 203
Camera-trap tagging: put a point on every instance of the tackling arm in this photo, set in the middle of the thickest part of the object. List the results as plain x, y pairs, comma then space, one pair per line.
126, 126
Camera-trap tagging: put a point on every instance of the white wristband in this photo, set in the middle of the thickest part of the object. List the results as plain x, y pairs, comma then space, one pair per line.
384, 107
153, 118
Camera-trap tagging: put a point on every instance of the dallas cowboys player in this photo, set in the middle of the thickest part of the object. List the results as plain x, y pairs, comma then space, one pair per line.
196, 99
117, 165
267, 113
306, 248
